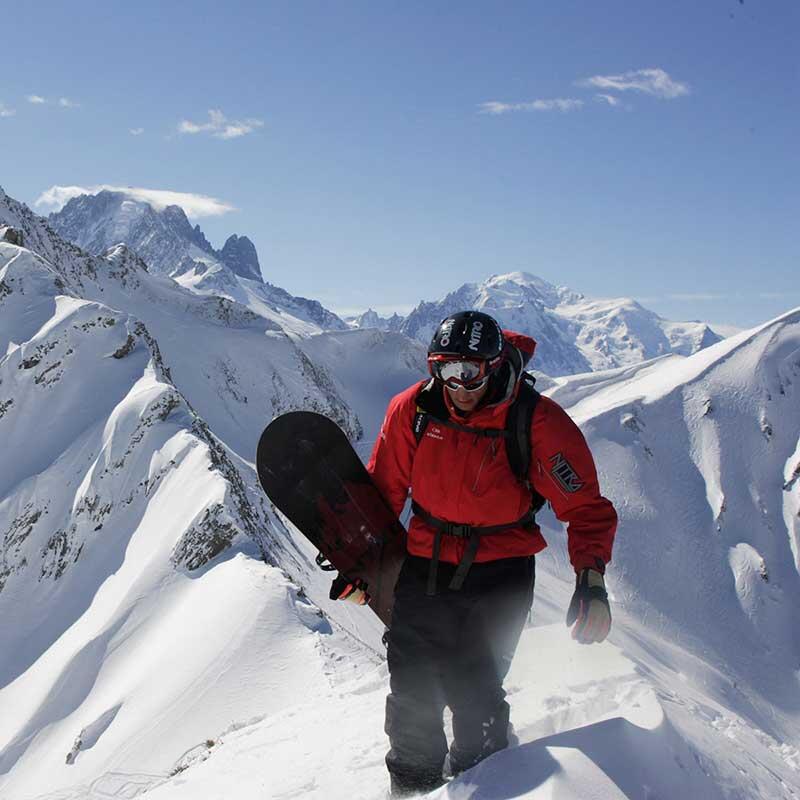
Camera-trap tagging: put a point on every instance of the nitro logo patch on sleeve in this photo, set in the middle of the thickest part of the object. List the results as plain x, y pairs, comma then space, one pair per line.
565, 476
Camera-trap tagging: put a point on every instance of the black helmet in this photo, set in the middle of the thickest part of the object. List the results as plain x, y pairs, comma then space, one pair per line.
466, 350
468, 334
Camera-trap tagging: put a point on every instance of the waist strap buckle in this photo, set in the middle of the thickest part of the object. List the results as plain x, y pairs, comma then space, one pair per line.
460, 531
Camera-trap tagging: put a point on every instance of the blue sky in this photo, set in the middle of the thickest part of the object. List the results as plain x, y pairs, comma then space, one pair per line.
381, 153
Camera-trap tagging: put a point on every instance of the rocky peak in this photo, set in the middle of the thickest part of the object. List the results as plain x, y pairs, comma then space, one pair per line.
99, 222
176, 219
239, 253
371, 319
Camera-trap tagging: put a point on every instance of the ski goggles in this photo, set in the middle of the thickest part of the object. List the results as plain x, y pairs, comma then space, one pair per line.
460, 373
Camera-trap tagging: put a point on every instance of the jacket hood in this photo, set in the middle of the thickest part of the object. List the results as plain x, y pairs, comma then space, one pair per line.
524, 344
518, 351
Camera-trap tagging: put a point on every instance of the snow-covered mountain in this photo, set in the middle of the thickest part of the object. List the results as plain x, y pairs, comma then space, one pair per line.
574, 333
166, 241
163, 239
371, 319
164, 633
132, 407
696, 695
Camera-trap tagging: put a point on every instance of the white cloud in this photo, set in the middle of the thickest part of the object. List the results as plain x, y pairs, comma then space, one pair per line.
65, 102
653, 81
557, 104
5, 111
608, 98
36, 99
220, 126
195, 205
136, 131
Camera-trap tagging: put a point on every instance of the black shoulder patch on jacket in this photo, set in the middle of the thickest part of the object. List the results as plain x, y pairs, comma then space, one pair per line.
565, 474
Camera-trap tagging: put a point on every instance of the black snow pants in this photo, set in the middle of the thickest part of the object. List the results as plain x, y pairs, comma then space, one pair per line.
452, 649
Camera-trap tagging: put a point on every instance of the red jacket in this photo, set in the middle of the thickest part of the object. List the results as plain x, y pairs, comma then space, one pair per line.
464, 478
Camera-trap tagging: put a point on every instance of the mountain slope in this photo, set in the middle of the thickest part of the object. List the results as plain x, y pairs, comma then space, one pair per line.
367, 368
124, 521
706, 449
237, 367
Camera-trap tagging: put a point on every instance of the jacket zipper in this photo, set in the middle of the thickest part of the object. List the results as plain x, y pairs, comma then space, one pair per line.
491, 448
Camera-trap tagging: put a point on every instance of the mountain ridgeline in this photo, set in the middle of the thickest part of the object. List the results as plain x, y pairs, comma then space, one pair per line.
164, 238
575, 333
166, 241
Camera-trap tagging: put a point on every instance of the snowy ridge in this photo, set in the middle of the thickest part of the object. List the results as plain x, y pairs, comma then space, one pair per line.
184, 325
297, 316
119, 500
724, 423
105, 507
129, 530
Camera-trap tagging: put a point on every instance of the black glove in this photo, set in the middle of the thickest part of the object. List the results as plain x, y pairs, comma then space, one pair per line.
344, 588
589, 608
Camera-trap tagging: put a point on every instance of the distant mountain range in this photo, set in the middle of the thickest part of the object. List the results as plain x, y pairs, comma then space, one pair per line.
575, 333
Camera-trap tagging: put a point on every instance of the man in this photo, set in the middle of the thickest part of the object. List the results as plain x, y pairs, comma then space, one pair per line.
466, 586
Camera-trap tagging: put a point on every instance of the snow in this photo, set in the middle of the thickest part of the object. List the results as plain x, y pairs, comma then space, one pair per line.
165, 633
149, 658
368, 367
791, 502
590, 724
271, 757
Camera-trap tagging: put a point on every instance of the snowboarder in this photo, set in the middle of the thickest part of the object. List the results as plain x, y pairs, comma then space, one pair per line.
480, 451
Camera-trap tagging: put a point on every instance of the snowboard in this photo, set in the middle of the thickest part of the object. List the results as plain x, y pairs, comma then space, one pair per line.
311, 473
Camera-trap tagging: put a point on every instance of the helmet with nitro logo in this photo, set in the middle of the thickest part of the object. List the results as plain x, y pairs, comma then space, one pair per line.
466, 349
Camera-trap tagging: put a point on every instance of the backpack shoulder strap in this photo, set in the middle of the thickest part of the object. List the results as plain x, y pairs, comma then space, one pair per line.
518, 426
430, 404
